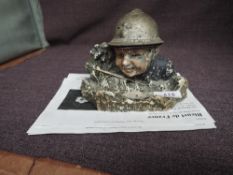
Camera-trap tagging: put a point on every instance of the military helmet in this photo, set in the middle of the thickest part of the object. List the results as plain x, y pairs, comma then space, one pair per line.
136, 28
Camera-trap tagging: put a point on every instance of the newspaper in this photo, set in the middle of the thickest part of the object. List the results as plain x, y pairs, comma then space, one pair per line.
69, 113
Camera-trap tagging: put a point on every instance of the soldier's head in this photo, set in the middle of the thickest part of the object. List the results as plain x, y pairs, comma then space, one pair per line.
135, 42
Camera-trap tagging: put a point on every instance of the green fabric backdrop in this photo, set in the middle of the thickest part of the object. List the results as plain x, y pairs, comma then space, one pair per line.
21, 28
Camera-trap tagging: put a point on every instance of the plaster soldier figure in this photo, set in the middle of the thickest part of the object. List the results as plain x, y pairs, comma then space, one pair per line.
128, 73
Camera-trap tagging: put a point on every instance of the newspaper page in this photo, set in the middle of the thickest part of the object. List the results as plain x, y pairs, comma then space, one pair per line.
69, 113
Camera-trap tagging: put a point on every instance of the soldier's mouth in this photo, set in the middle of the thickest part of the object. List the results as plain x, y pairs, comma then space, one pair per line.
129, 70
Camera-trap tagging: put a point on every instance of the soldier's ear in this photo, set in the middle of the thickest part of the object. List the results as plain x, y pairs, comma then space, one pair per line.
156, 50
152, 49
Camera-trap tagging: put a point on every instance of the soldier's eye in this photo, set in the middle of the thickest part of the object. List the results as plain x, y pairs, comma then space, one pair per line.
135, 55
120, 54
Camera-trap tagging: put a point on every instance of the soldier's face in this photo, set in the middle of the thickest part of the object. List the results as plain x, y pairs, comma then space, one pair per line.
133, 61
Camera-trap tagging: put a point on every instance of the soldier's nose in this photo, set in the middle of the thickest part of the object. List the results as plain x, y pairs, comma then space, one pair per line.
126, 60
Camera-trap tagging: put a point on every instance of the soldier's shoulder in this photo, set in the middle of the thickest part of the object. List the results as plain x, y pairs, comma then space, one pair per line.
160, 68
